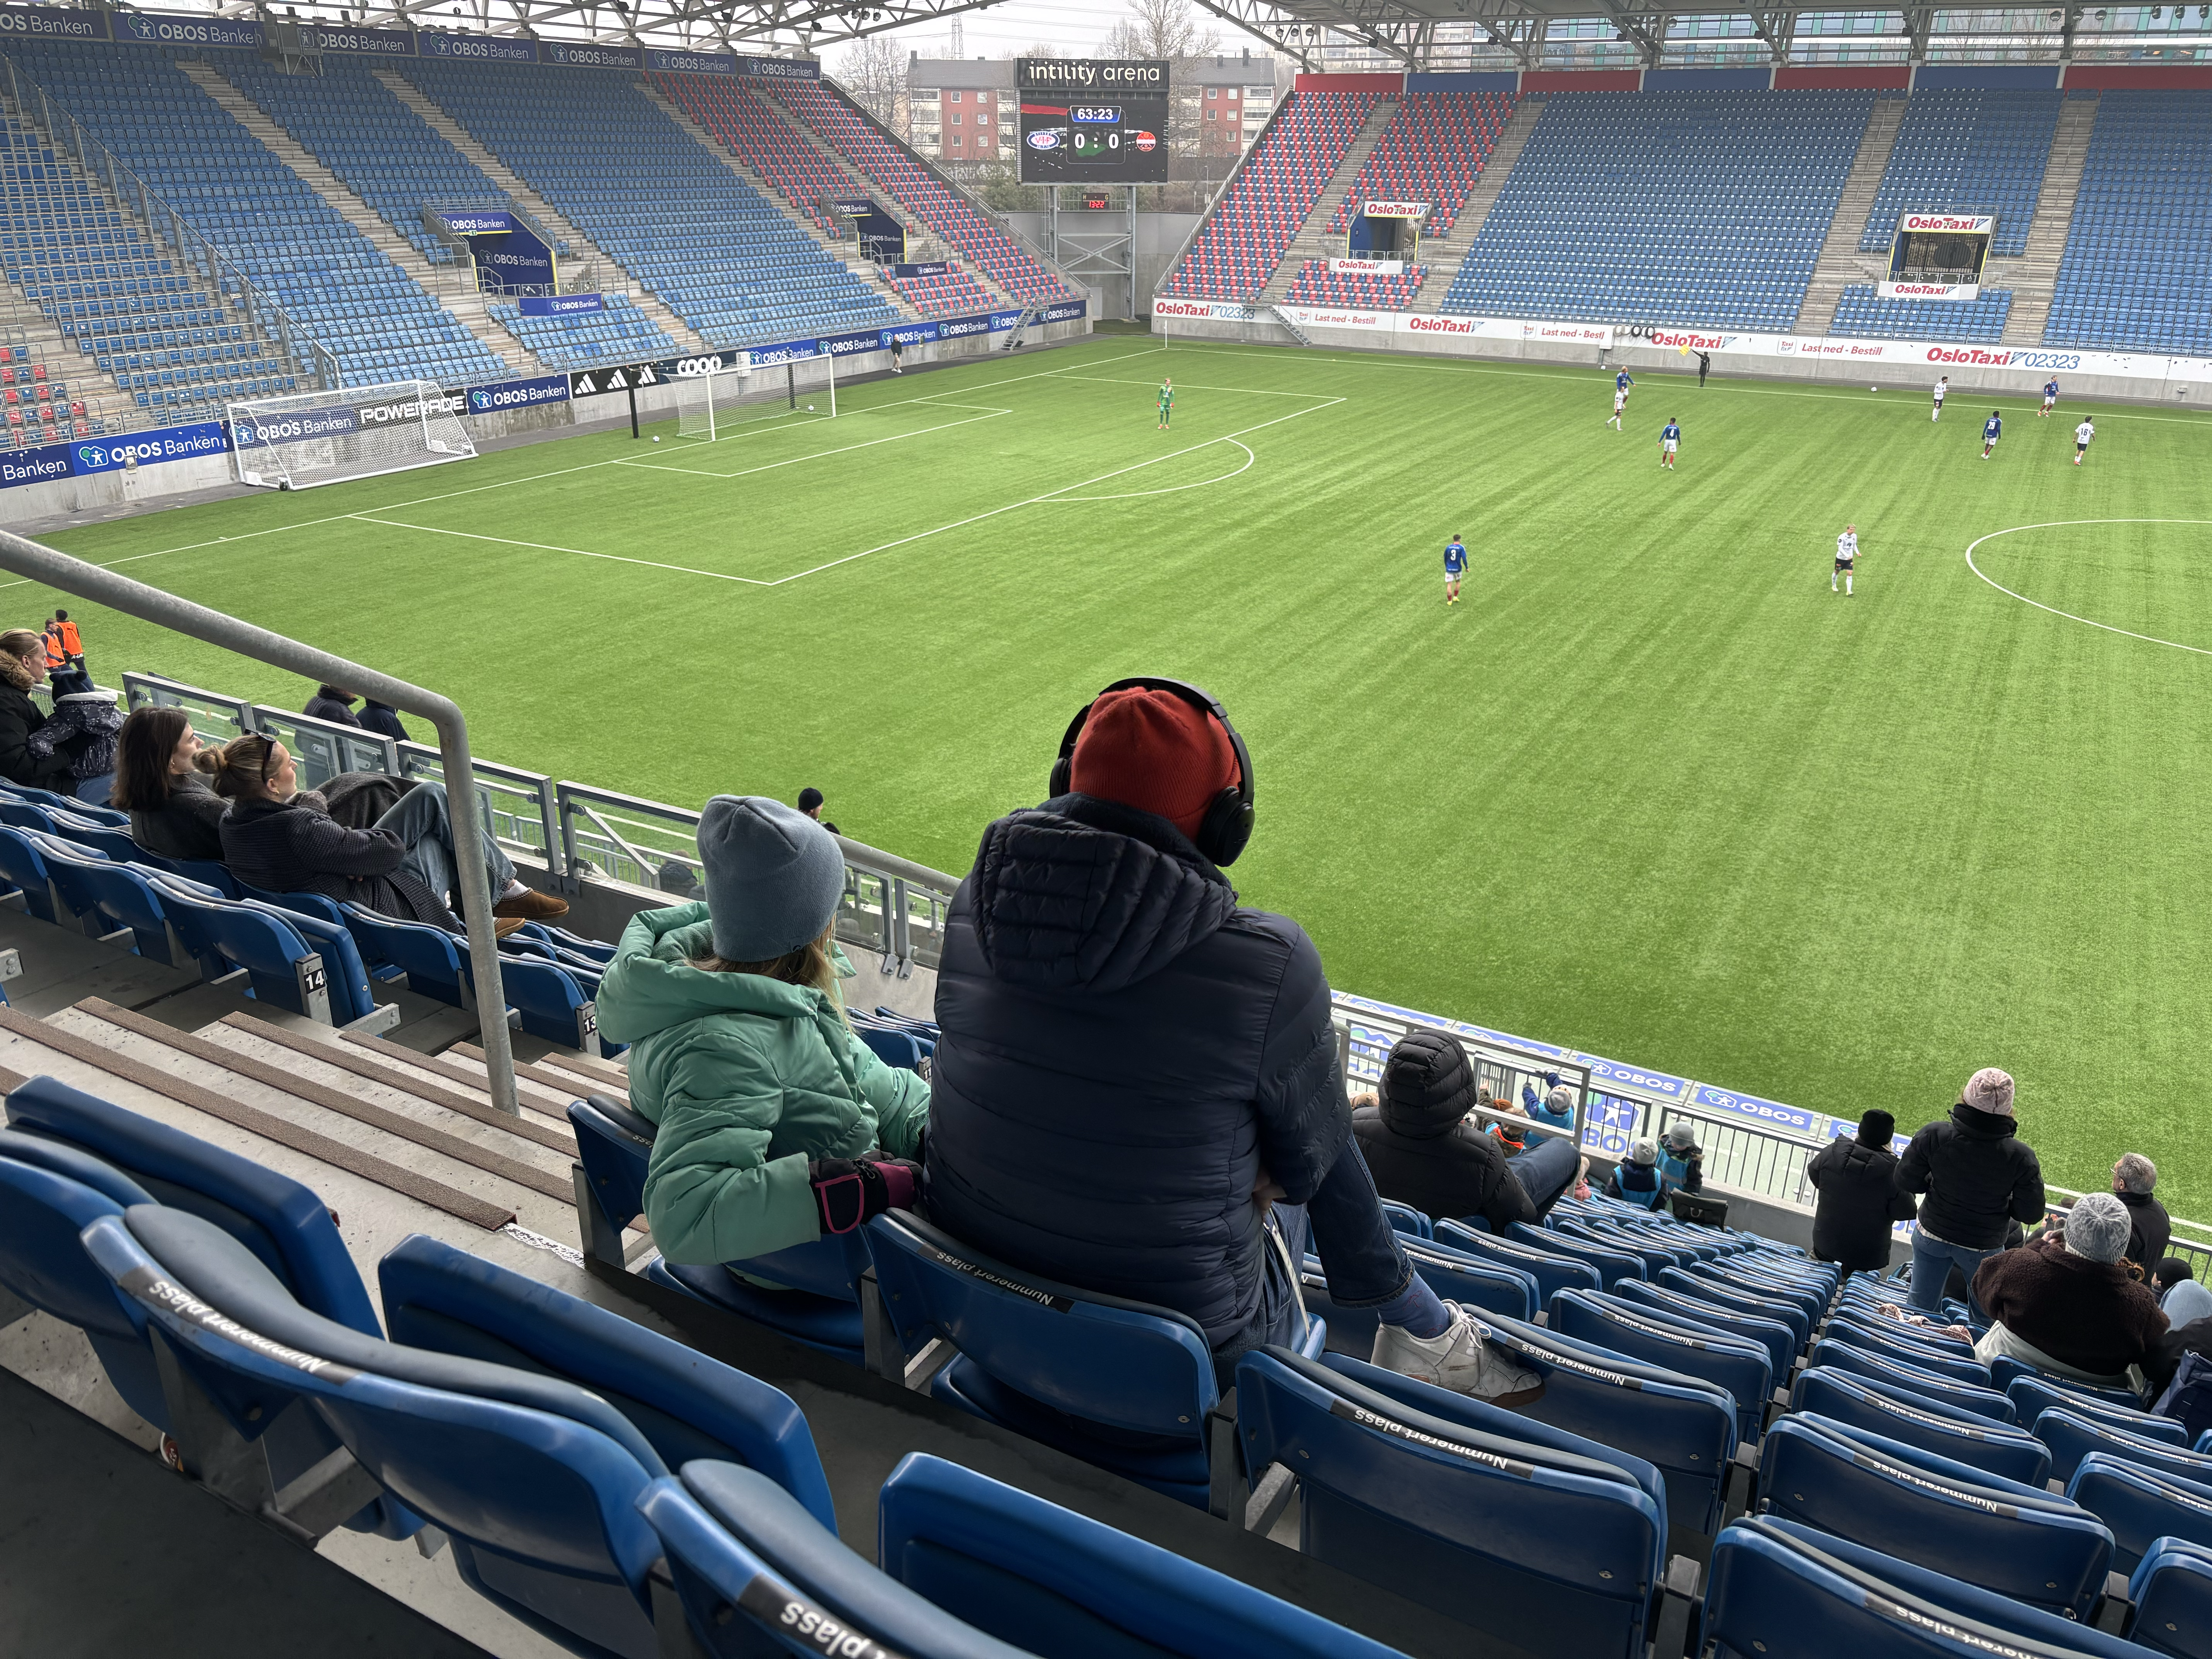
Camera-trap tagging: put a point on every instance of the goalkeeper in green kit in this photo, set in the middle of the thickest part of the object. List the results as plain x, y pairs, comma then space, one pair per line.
1167, 401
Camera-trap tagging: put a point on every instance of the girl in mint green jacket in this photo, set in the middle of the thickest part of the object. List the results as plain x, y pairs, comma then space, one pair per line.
777, 1123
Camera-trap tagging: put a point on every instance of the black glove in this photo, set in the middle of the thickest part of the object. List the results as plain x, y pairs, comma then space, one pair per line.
850, 1191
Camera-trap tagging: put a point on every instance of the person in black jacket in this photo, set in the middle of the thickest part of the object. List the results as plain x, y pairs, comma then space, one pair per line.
1424, 1149
174, 814
22, 665
1859, 1202
1136, 1089
1977, 1176
333, 703
383, 718
2150, 1230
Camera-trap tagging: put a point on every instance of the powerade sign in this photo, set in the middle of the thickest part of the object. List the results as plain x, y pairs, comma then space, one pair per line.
359, 43
155, 28
481, 221
566, 55
30, 466
518, 394
689, 63
907, 334
1751, 1106
562, 305
1061, 311
175, 443
52, 23
409, 412
291, 428
477, 48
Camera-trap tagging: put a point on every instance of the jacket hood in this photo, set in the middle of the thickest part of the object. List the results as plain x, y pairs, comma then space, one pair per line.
646, 991
1427, 1086
1983, 1125
1087, 895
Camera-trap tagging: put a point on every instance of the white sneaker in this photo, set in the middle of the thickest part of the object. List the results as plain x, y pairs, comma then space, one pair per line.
1459, 1360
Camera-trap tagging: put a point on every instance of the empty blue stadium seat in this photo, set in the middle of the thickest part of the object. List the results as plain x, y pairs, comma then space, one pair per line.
1611, 1264
2137, 272
1976, 149
1779, 1341
2002, 1535
2072, 1436
1738, 1298
1777, 1588
1911, 1379
2171, 1588
1969, 1370
1548, 1540
1977, 1442
2031, 1396
1450, 1273
1550, 1269
2005, 1370
2140, 1504
1742, 1368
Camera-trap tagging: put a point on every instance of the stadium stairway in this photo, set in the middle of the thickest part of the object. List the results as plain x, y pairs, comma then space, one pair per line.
2033, 278
104, 400
535, 205
1841, 263
1444, 257
1314, 238
441, 281
835, 247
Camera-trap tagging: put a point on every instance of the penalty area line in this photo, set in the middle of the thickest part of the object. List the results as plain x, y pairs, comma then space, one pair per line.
547, 547
819, 454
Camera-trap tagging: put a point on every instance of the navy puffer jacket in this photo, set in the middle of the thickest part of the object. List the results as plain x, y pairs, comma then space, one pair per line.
1124, 1049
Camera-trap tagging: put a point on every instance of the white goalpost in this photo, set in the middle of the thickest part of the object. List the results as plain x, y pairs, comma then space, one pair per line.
729, 401
354, 432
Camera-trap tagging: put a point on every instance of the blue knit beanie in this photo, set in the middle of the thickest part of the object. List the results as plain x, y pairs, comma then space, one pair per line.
774, 877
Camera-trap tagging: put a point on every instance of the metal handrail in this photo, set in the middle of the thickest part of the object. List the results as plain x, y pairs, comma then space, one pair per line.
67, 134
79, 579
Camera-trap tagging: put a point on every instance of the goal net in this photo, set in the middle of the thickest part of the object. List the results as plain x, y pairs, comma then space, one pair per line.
731, 401
355, 432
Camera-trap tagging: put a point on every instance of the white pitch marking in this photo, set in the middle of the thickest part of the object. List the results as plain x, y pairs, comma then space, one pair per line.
1133, 495
1086, 484
819, 454
547, 547
1248, 390
2061, 524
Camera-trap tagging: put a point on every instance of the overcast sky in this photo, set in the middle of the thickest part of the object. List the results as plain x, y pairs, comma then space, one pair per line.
1001, 30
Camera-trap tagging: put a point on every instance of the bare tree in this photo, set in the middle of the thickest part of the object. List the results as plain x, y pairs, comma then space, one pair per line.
1171, 29
873, 73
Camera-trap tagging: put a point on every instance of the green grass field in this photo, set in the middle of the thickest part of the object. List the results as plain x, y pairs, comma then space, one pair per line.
1651, 789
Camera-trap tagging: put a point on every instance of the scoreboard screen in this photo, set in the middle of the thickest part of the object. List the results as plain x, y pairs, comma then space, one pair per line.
1085, 121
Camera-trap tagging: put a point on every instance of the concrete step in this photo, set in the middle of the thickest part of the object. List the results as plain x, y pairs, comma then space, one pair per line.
2034, 279
1841, 264
446, 283
580, 245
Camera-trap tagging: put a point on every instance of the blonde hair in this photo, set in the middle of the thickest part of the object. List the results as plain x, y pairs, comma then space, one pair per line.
24, 642
240, 767
810, 964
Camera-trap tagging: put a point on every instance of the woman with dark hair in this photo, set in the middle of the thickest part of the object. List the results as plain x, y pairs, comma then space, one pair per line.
280, 839
173, 812
22, 665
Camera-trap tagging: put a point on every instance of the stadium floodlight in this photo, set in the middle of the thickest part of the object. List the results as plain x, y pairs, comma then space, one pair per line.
750, 398
354, 432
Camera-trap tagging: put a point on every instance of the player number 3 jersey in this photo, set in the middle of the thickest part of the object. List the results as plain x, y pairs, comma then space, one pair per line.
1455, 558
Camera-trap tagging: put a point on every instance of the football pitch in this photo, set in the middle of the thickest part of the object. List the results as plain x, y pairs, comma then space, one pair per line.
1649, 789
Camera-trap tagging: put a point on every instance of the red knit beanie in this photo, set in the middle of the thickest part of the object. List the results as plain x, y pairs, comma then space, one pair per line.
1152, 750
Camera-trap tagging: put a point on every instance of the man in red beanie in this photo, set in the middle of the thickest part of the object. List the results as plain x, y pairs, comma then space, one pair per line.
1136, 1086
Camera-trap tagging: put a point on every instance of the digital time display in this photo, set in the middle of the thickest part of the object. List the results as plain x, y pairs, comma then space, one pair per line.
1097, 114
1063, 142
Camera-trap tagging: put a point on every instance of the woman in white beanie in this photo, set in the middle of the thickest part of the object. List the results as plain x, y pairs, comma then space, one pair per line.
2068, 1303
777, 1124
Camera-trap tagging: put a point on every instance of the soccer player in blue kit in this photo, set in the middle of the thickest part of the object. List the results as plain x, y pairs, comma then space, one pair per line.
1992, 429
1670, 438
1454, 568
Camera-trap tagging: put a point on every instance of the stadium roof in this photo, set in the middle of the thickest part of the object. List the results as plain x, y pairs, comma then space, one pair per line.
1405, 33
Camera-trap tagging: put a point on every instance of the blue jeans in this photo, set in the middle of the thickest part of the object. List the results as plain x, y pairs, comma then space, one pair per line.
95, 790
1546, 1170
425, 822
1358, 1253
1931, 1266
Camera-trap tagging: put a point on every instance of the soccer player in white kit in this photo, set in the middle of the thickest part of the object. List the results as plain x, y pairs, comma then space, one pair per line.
1942, 386
1620, 403
2083, 433
1847, 549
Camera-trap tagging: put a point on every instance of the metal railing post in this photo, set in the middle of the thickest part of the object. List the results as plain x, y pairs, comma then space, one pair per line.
74, 577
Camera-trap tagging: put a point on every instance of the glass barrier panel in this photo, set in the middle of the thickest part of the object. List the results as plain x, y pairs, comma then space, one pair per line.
864, 915
322, 750
517, 805
217, 719
622, 838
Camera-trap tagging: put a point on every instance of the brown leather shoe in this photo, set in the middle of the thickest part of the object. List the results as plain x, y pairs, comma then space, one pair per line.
502, 925
532, 906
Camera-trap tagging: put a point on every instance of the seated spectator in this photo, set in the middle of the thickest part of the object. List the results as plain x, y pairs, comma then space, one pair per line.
1859, 1204
2150, 1228
280, 840
22, 665
1636, 1177
1425, 1149
382, 718
332, 703
83, 727
777, 1124
1513, 1137
1555, 1109
1681, 1161
2066, 1303
173, 812
1136, 1086
810, 802
1978, 1175
2180, 1297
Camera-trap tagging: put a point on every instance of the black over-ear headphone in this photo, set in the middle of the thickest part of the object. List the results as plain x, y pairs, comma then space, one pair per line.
1228, 824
